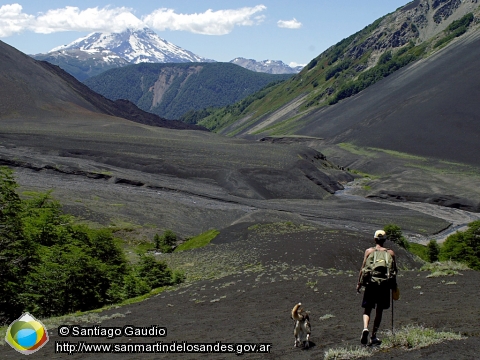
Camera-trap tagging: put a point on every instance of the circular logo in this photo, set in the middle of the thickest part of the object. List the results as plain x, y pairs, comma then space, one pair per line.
27, 334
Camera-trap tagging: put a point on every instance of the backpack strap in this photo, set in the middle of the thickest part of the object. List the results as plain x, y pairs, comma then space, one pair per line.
387, 256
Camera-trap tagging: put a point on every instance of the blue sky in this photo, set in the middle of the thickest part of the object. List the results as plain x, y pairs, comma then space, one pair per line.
292, 31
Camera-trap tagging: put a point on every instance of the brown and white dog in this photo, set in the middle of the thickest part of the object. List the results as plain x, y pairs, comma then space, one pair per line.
302, 326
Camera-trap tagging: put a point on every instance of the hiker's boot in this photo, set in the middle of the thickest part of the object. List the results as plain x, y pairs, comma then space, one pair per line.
374, 341
364, 338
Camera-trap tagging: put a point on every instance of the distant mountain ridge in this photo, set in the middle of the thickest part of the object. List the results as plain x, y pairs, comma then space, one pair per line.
97, 52
171, 90
38, 91
267, 66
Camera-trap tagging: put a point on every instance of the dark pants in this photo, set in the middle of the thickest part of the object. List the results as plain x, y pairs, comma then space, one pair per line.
376, 295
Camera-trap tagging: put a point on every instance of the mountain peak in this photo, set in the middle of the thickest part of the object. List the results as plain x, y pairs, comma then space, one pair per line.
133, 45
266, 66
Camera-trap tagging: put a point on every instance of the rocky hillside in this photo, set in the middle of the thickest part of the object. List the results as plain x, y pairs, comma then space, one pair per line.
172, 90
417, 30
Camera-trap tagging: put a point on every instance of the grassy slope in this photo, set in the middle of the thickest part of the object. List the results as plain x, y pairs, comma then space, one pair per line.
198, 241
328, 78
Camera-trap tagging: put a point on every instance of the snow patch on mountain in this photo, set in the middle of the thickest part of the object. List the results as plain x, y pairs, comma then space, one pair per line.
134, 46
266, 66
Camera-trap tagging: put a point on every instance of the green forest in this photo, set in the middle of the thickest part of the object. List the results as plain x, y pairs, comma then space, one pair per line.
191, 86
50, 265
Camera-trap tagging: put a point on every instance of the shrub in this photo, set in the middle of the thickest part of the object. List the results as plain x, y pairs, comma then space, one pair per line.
385, 57
154, 273
157, 241
463, 246
394, 234
165, 243
178, 277
312, 64
456, 29
135, 286
388, 66
463, 22
335, 70
433, 250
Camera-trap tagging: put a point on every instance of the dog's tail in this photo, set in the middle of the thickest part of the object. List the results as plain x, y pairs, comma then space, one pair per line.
295, 314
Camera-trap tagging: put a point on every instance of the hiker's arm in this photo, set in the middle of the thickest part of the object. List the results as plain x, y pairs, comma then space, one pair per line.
394, 261
359, 286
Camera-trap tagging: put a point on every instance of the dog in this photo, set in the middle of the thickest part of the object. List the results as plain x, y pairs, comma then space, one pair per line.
302, 326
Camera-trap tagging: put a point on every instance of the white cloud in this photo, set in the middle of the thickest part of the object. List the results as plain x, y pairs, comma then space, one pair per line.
69, 18
210, 22
289, 24
12, 20
109, 19
72, 18
295, 64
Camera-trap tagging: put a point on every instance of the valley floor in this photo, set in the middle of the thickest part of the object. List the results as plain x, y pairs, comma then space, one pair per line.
269, 273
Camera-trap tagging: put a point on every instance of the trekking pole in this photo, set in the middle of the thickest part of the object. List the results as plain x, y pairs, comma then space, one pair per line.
392, 311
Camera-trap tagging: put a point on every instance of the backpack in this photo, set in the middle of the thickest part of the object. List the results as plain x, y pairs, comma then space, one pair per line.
378, 269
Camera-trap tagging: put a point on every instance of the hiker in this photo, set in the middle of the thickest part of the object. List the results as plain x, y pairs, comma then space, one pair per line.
377, 275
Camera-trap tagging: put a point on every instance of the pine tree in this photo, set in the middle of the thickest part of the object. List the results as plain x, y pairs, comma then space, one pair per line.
433, 250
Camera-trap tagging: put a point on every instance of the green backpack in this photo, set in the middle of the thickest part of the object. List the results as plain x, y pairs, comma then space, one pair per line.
378, 269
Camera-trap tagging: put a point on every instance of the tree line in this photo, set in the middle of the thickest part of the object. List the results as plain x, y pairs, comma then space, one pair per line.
462, 246
50, 265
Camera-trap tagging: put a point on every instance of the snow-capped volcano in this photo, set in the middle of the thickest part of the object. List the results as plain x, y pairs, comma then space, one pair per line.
134, 46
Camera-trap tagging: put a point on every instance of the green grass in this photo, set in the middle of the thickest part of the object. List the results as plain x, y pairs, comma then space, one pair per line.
356, 150
326, 317
398, 154
143, 246
419, 250
452, 168
347, 353
416, 337
198, 241
30, 193
445, 266
410, 337
120, 224
364, 174
440, 273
